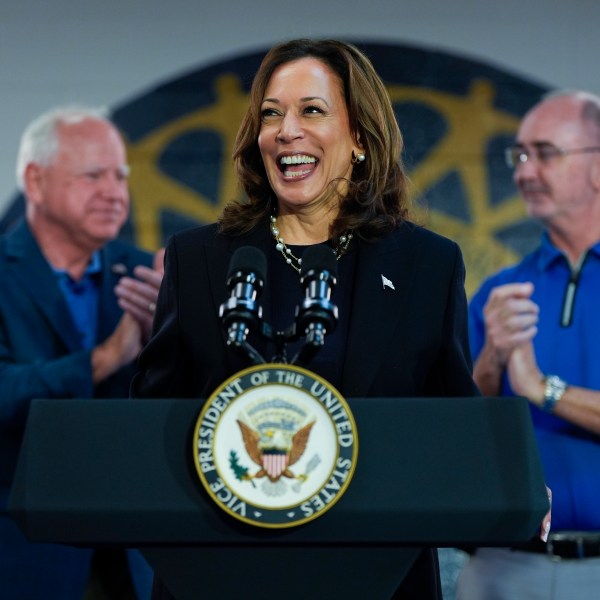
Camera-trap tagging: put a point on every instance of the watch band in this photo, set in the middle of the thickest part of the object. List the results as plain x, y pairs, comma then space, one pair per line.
555, 390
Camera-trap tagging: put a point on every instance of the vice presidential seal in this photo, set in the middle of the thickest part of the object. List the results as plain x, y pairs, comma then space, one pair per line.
275, 446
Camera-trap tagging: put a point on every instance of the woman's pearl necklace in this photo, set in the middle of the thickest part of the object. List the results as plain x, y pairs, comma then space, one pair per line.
296, 262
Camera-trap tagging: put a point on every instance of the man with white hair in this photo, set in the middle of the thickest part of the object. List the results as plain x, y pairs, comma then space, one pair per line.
535, 332
76, 306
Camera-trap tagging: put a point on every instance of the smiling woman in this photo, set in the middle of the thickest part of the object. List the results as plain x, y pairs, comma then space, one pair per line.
320, 101
306, 146
318, 154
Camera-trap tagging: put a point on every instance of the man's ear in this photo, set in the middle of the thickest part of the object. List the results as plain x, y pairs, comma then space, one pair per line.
33, 182
595, 173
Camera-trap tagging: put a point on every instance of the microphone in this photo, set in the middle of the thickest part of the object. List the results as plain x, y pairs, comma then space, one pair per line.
317, 315
241, 313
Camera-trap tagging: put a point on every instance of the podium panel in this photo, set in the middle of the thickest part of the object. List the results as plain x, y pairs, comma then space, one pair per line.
430, 472
295, 572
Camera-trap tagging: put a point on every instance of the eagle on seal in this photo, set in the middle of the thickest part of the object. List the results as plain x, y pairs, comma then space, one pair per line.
274, 452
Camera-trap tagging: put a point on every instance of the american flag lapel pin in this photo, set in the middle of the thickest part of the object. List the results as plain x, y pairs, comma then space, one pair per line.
387, 282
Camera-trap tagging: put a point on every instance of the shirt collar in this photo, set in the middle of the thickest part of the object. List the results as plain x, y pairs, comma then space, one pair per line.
94, 267
550, 253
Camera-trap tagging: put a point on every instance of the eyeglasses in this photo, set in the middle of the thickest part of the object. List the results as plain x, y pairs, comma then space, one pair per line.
543, 152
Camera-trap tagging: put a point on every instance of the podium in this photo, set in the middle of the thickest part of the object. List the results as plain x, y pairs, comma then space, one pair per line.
431, 472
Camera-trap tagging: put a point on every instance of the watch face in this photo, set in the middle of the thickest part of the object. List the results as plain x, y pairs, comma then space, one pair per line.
556, 384
555, 389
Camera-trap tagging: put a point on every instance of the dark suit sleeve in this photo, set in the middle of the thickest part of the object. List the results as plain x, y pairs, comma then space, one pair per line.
35, 359
29, 367
452, 372
65, 377
163, 369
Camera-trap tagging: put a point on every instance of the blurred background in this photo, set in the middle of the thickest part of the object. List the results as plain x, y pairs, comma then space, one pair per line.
175, 77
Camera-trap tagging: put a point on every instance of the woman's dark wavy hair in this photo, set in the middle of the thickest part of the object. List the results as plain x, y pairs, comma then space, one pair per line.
377, 197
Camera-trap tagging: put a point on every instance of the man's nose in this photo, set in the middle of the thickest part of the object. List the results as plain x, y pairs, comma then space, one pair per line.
526, 170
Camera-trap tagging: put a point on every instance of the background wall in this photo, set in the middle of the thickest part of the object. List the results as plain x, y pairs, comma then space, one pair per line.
118, 54
106, 52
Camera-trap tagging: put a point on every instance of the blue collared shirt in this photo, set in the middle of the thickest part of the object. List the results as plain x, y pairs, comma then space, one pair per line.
570, 455
82, 299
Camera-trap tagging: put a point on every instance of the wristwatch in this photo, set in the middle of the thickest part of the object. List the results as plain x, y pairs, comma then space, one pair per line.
555, 390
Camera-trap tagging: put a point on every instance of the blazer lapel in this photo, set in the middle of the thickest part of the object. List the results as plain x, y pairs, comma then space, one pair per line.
377, 308
32, 272
219, 255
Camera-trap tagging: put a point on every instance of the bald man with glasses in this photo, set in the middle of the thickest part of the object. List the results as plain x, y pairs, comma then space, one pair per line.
535, 332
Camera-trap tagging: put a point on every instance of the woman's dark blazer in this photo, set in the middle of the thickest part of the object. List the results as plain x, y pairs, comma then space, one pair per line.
409, 340
406, 341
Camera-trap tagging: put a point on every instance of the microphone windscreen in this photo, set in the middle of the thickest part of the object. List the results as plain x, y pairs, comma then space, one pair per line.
248, 259
318, 258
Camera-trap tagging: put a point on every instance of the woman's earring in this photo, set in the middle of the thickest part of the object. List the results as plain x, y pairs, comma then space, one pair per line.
358, 157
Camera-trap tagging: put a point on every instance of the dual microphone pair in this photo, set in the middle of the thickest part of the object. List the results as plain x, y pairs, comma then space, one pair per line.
315, 317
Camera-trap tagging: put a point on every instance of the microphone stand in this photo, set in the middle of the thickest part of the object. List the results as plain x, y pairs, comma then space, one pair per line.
237, 341
315, 317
